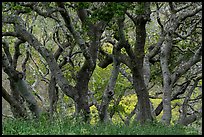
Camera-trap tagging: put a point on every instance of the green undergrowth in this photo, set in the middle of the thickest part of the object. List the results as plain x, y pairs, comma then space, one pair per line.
67, 126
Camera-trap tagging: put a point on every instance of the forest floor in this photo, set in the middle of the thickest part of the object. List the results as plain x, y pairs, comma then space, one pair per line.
76, 127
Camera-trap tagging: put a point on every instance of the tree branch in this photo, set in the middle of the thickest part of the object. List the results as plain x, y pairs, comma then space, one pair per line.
6, 50
34, 6
49, 57
189, 13
13, 103
17, 52
25, 61
184, 67
9, 34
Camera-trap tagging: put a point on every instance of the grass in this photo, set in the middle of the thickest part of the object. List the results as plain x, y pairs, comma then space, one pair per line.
67, 126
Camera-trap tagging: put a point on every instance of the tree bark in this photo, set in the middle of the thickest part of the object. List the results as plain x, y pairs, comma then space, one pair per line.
167, 85
53, 95
19, 110
183, 118
144, 113
109, 91
83, 77
144, 110
20, 88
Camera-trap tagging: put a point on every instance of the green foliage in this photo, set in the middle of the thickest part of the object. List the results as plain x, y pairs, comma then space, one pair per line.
175, 110
128, 103
67, 126
83, 5
140, 8
99, 80
13, 6
156, 74
101, 14
109, 10
120, 8
107, 47
94, 115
